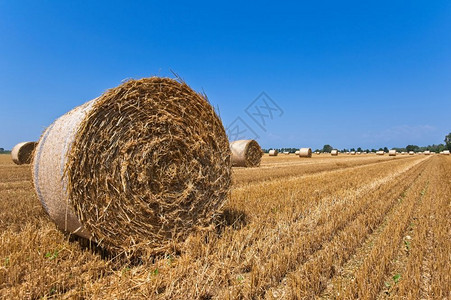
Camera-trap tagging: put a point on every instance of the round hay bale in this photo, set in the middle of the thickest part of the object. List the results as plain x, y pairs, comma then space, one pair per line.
305, 152
273, 152
446, 152
22, 153
427, 152
380, 152
392, 153
136, 169
352, 152
245, 153
334, 152
411, 153
297, 152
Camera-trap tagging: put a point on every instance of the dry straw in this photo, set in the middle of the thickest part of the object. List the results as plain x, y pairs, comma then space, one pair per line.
245, 153
427, 152
297, 152
273, 152
352, 152
22, 153
392, 153
334, 152
411, 153
446, 152
305, 152
380, 152
136, 169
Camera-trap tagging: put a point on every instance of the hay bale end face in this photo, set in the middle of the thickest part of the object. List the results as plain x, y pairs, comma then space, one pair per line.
245, 153
446, 152
352, 152
334, 152
380, 152
305, 152
392, 153
273, 152
136, 169
22, 153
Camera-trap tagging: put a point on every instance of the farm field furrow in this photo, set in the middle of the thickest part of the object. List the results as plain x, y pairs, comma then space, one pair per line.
337, 231
271, 168
311, 278
426, 275
367, 279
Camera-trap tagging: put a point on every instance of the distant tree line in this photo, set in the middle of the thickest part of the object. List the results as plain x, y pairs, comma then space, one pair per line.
3, 151
433, 148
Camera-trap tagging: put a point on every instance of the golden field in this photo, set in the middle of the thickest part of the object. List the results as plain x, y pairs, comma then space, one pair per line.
365, 226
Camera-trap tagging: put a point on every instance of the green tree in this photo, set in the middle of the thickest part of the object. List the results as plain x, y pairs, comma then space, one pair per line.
414, 148
327, 148
448, 141
385, 149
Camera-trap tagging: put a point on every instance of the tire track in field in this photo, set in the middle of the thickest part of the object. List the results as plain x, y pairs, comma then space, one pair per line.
310, 226
334, 172
363, 273
251, 176
309, 279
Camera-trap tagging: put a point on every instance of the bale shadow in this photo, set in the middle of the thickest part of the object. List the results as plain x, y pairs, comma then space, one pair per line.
117, 261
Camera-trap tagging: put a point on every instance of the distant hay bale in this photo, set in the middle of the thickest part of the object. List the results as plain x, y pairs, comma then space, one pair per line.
446, 152
22, 153
352, 152
245, 153
286, 152
392, 153
273, 152
427, 152
380, 152
297, 152
136, 169
305, 152
334, 152
411, 153
358, 153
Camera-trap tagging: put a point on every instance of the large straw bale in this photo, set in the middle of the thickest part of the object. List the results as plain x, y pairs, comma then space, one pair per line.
273, 152
446, 152
427, 152
245, 153
136, 169
392, 152
305, 152
411, 153
352, 152
334, 152
380, 152
22, 153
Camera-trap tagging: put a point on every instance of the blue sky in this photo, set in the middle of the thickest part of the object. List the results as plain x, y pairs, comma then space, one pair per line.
345, 73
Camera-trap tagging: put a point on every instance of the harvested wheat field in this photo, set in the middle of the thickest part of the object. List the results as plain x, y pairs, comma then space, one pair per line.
331, 227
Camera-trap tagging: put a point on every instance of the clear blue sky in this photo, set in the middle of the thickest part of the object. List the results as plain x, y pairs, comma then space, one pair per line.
345, 73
